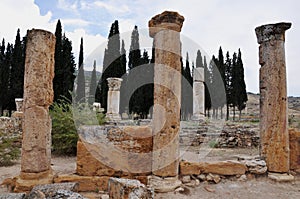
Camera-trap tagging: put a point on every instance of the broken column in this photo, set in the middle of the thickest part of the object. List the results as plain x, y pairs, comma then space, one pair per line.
113, 99
38, 96
165, 29
273, 96
198, 94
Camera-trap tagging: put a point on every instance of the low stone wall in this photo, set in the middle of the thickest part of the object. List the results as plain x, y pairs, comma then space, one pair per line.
11, 126
192, 173
231, 135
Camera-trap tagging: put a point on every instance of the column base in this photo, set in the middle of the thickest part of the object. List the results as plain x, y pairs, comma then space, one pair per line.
163, 185
198, 117
281, 177
26, 181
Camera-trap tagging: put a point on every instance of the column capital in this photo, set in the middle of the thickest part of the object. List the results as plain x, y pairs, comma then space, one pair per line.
269, 32
114, 84
167, 20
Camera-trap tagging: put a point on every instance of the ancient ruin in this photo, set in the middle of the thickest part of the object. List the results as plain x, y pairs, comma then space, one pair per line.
127, 161
38, 96
198, 94
273, 96
113, 99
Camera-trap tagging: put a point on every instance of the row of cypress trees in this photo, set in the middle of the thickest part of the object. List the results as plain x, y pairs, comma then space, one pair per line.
137, 86
12, 60
12, 65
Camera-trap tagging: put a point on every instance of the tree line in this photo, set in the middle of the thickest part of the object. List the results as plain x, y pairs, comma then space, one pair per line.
137, 74
12, 66
222, 75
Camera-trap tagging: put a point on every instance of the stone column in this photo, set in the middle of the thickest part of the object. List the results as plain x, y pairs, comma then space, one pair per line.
38, 96
165, 29
113, 99
198, 94
273, 96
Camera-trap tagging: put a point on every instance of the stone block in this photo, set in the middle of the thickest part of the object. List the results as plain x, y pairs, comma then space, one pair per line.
220, 168
128, 189
165, 184
86, 183
294, 137
120, 152
281, 177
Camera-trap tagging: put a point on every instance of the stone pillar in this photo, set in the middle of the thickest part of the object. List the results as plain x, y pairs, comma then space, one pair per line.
165, 29
273, 96
113, 99
38, 96
198, 94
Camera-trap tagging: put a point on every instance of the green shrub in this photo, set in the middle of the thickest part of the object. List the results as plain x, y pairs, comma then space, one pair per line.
9, 150
64, 134
213, 144
66, 117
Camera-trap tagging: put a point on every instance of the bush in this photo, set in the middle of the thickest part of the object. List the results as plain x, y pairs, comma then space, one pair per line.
9, 150
65, 118
213, 144
64, 134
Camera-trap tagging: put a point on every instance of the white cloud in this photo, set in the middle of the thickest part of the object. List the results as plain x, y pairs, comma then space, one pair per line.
76, 22
24, 15
112, 7
67, 5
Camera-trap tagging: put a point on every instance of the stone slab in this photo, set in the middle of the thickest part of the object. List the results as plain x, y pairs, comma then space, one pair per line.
220, 168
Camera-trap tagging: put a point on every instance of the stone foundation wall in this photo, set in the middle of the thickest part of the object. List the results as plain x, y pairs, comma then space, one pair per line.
11, 128
231, 136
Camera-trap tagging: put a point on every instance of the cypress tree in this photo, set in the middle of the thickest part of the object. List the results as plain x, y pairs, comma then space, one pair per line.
207, 84
135, 103
7, 67
235, 82
221, 68
135, 52
69, 68
147, 89
58, 80
17, 73
241, 86
111, 64
93, 85
188, 100
228, 83
123, 58
199, 62
80, 92
4, 78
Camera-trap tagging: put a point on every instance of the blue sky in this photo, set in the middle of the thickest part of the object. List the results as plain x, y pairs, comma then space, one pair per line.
208, 24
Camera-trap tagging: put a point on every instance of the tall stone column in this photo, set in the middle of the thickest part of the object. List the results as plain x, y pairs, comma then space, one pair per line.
198, 94
113, 99
273, 96
38, 96
165, 29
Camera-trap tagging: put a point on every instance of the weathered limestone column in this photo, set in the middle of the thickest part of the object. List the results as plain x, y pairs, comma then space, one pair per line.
38, 96
273, 96
165, 29
113, 99
198, 94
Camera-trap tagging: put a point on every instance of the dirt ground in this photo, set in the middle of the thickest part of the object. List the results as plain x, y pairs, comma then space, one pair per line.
255, 188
